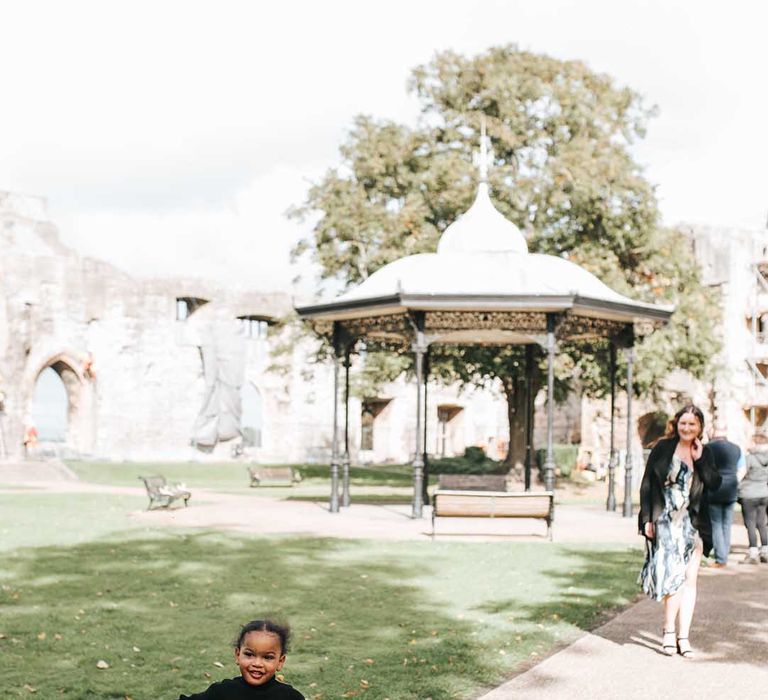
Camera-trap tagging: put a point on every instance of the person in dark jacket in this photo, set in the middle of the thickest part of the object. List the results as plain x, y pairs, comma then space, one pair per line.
675, 523
729, 460
753, 496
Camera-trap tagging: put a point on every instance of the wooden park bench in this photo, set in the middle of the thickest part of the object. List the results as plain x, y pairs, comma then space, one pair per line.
162, 494
472, 482
494, 504
273, 476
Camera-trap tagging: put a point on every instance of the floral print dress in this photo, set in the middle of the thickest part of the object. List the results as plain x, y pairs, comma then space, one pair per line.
667, 556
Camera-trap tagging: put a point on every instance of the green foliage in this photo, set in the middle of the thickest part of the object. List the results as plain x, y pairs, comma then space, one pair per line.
377, 368
562, 170
473, 461
565, 459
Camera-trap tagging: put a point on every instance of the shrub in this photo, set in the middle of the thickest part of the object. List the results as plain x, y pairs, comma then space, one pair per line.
565, 459
474, 461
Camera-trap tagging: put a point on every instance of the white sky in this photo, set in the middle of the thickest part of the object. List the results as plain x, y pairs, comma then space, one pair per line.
170, 137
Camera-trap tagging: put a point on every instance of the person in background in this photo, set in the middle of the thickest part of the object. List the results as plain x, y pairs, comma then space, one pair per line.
729, 460
753, 496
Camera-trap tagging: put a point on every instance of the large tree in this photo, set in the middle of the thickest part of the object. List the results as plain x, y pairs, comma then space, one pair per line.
562, 170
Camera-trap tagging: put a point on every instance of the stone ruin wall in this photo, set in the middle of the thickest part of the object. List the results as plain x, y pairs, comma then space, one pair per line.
140, 398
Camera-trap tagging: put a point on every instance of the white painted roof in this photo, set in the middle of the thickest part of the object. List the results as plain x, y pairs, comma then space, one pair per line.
501, 273
483, 253
482, 228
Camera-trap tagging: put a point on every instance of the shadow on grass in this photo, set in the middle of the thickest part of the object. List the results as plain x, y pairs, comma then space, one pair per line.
162, 611
595, 586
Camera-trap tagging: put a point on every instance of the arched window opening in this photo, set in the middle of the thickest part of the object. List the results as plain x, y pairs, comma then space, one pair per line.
651, 427
251, 423
50, 407
446, 427
370, 410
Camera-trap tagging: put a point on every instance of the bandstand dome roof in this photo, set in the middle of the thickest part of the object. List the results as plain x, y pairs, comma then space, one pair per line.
482, 263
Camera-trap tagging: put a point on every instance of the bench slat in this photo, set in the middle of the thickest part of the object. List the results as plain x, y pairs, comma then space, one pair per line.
493, 504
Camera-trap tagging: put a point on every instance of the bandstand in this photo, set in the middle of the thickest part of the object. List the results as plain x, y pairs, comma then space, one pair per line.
481, 287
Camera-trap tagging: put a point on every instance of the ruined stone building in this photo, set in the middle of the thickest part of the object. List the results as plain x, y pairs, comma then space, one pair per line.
96, 363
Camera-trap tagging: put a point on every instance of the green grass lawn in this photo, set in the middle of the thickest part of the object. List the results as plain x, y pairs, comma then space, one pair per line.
391, 484
226, 475
82, 583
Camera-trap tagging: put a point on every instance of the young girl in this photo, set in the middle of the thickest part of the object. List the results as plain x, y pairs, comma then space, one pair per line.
259, 654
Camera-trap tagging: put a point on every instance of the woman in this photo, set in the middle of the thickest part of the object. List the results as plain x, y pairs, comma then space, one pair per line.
753, 496
674, 520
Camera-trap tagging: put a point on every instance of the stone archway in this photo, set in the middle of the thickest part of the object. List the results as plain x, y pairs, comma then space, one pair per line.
50, 407
650, 427
68, 429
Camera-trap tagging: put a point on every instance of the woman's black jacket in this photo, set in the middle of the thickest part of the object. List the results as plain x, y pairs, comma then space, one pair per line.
705, 478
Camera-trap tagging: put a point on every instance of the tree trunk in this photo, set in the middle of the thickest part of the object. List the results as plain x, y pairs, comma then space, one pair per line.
514, 390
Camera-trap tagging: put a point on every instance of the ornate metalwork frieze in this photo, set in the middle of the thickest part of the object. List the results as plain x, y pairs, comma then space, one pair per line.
586, 328
523, 321
390, 327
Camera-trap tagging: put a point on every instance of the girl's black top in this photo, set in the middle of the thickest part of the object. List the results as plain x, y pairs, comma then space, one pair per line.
238, 689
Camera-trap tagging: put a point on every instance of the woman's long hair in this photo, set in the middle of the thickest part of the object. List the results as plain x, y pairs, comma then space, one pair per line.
671, 431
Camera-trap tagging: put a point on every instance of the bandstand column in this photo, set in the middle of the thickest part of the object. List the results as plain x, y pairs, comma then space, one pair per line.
630, 354
345, 458
610, 503
419, 350
528, 415
549, 462
334, 503
425, 458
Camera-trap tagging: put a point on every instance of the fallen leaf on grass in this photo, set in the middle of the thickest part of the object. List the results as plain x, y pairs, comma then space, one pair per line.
218, 664
102, 664
136, 649
29, 688
41, 636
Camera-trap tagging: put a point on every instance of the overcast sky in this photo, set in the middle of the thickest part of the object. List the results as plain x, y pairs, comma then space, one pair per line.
170, 137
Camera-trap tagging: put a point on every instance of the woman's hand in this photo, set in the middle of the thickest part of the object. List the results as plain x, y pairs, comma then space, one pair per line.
649, 531
696, 449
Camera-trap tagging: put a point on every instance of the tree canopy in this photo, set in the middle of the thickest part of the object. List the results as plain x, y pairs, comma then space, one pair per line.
562, 170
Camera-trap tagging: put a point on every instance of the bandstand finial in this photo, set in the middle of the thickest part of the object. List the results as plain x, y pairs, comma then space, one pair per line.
483, 151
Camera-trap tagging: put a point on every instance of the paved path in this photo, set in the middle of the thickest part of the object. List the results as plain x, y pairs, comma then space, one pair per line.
621, 659
255, 512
